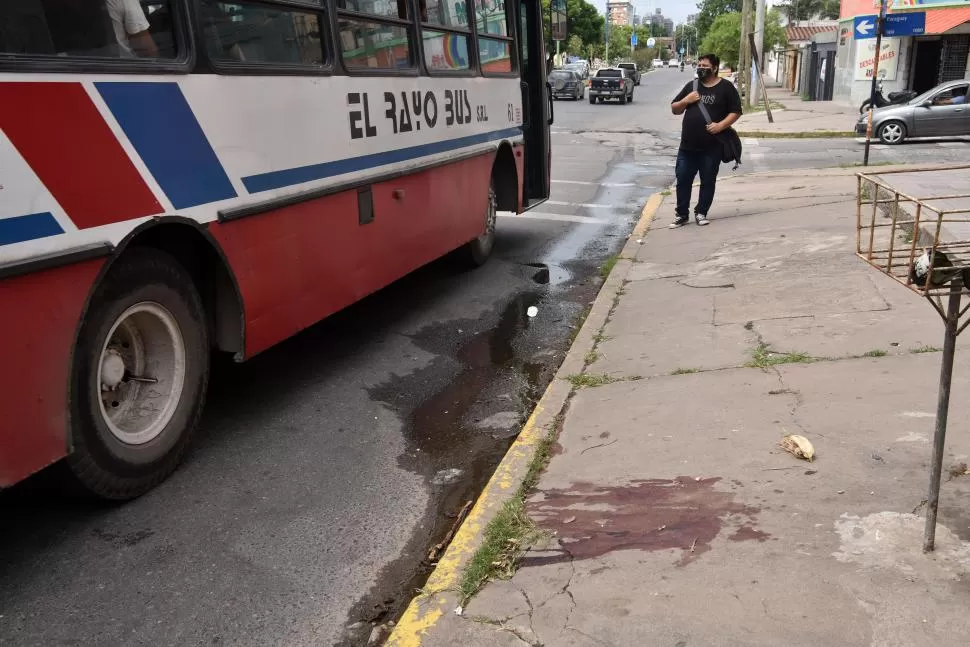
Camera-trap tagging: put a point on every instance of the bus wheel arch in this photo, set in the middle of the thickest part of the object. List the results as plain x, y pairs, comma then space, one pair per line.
505, 177
140, 367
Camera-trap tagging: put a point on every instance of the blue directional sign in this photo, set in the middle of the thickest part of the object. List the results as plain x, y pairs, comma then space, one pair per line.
633, 39
681, 50
905, 24
896, 24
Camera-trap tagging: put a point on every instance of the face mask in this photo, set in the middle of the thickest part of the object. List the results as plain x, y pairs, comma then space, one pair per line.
703, 73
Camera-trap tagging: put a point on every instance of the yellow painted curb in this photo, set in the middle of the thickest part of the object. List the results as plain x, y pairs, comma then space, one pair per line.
431, 605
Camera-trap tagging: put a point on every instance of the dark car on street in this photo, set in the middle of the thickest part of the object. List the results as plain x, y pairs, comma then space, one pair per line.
611, 83
567, 84
631, 70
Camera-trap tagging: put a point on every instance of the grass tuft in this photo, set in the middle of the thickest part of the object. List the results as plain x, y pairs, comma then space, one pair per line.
608, 266
876, 352
684, 371
580, 380
925, 349
763, 357
511, 530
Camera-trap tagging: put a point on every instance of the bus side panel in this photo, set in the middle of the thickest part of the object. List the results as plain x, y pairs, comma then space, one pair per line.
40, 318
298, 264
518, 151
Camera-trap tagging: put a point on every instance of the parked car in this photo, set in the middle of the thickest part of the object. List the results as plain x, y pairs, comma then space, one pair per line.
581, 68
673, 63
631, 70
611, 83
566, 84
658, 62
931, 114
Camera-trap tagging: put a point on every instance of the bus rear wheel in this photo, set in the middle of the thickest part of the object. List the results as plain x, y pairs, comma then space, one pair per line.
476, 252
140, 372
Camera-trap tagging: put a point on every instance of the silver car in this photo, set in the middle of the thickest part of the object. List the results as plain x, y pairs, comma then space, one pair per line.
931, 114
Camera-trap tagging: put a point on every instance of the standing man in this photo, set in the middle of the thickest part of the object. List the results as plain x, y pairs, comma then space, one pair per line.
700, 150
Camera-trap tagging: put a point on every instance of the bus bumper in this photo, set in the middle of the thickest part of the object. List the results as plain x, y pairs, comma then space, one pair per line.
42, 311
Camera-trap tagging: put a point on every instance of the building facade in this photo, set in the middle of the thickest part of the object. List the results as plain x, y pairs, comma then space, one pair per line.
619, 12
917, 63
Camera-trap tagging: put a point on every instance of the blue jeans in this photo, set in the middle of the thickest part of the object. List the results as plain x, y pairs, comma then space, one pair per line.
689, 165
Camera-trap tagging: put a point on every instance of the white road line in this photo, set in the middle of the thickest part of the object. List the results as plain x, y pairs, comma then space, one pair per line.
538, 215
750, 141
587, 205
609, 184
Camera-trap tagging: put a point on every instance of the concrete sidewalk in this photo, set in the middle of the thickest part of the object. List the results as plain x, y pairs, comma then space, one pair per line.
672, 517
798, 116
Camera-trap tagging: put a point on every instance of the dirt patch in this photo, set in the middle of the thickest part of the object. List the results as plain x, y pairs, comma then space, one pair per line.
684, 513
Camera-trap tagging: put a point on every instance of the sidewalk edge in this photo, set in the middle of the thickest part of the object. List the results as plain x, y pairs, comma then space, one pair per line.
440, 595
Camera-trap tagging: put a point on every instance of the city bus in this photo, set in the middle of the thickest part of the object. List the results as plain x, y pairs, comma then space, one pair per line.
183, 177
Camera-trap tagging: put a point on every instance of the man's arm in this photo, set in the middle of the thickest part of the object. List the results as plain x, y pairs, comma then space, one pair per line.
734, 113
136, 26
143, 44
684, 99
719, 126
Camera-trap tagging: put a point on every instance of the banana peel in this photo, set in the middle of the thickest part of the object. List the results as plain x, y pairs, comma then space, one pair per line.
798, 446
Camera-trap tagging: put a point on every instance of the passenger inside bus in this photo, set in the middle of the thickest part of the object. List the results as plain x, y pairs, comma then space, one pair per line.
110, 28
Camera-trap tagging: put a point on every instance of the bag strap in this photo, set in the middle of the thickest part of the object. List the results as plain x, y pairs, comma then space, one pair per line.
700, 104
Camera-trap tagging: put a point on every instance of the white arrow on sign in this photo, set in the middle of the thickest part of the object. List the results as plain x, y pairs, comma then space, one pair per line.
865, 27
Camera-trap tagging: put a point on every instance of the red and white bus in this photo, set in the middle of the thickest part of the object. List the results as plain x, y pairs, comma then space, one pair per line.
183, 176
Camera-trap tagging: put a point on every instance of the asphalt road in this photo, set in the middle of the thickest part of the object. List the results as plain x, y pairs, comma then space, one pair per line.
326, 467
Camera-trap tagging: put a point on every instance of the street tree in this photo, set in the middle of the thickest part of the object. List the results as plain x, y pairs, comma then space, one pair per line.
583, 20
724, 36
708, 12
809, 9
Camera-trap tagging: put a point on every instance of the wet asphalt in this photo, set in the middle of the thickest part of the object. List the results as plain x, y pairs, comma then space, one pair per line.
326, 468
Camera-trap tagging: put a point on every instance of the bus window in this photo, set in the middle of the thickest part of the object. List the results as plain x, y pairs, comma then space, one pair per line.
445, 34
374, 45
247, 33
382, 8
494, 41
445, 50
107, 28
381, 43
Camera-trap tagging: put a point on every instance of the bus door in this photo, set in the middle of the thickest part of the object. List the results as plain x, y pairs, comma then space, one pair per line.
537, 111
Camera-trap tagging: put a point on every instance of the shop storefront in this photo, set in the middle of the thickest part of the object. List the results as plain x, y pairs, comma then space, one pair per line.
911, 63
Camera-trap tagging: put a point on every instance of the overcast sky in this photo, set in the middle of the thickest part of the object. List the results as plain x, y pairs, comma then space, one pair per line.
675, 9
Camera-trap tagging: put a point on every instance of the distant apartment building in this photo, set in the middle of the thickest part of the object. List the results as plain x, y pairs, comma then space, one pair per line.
619, 12
658, 18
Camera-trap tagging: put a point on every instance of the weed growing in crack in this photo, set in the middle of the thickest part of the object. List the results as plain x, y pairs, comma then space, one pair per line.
608, 266
580, 380
592, 356
684, 371
925, 349
506, 536
578, 323
599, 338
876, 352
763, 357
511, 530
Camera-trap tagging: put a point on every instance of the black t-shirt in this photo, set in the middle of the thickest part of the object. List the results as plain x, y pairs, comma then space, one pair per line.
720, 100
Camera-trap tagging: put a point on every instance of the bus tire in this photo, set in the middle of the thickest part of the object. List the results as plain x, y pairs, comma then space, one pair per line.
476, 252
141, 367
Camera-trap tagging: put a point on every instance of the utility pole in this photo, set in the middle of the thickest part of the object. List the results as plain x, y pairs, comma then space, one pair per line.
607, 55
759, 41
744, 63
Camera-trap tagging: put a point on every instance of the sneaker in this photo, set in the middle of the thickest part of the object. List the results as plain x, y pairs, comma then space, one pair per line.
700, 219
679, 221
